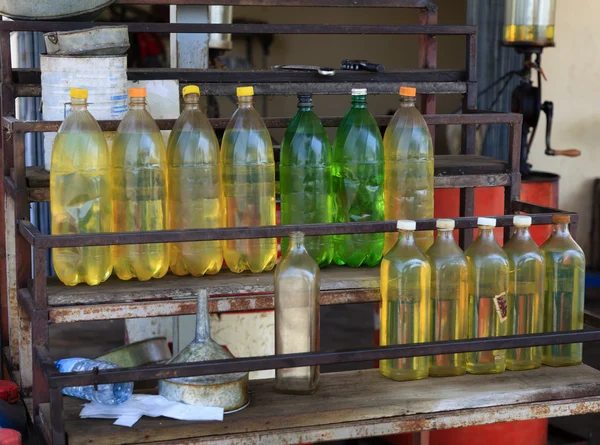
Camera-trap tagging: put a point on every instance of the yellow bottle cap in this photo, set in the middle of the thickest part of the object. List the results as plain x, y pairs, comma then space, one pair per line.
245, 91
78, 93
190, 89
408, 91
137, 92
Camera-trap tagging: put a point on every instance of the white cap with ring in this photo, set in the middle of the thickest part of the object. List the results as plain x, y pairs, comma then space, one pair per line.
406, 224
481, 221
445, 224
359, 91
522, 220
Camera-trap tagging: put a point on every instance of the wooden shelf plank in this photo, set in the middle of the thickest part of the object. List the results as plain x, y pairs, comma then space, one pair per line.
449, 170
362, 404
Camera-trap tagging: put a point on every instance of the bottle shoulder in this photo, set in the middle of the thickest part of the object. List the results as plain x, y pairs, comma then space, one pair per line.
305, 142
192, 141
358, 138
407, 137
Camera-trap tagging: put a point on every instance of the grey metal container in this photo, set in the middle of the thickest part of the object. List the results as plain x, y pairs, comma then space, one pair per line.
97, 41
53, 9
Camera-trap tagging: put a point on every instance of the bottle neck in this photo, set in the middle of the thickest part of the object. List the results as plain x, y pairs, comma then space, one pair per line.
522, 233
561, 230
407, 102
305, 105
202, 317
296, 242
486, 233
245, 101
359, 101
191, 102
406, 237
78, 104
446, 235
137, 103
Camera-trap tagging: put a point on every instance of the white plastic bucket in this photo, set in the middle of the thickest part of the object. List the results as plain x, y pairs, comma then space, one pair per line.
105, 78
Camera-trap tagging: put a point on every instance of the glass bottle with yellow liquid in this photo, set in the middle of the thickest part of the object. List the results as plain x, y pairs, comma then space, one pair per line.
80, 194
529, 22
449, 290
488, 305
405, 313
195, 198
564, 292
248, 173
139, 191
408, 176
525, 294
297, 290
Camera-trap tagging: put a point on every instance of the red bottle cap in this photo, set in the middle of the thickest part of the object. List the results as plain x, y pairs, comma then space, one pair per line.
10, 437
9, 391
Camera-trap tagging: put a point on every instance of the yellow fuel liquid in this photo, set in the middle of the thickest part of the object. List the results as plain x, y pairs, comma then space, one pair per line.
139, 169
80, 200
195, 197
542, 35
248, 172
405, 313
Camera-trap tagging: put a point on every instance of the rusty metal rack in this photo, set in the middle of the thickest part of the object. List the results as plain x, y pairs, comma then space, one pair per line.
33, 304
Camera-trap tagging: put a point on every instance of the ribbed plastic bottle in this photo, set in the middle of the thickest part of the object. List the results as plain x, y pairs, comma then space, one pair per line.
408, 154
139, 191
449, 298
107, 394
405, 304
305, 181
297, 290
488, 302
248, 172
564, 292
80, 183
358, 183
525, 294
195, 196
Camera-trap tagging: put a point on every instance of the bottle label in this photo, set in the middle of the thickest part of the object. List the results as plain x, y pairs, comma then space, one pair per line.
501, 306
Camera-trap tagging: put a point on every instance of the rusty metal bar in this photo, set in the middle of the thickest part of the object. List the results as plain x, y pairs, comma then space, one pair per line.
528, 207
282, 122
318, 358
513, 191
427, 4
180, 236
428, 60
246, 28
56, 417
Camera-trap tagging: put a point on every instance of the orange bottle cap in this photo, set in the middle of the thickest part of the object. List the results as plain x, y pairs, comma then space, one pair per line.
137, 92
408, 91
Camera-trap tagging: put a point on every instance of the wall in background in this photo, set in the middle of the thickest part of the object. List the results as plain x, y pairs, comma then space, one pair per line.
573, 71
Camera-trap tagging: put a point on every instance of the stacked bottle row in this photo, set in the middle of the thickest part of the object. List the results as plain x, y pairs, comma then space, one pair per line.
488, 291
141, 186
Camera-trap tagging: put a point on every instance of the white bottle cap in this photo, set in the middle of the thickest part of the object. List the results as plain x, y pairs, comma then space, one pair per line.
359, 91
445, 224
406, 224
522, 221
486, 222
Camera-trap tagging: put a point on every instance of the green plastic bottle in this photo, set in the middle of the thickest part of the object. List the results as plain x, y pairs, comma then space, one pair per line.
195, 197
405, 313
408, 153
139, 191
525, 294
248, 172
80, 194
449, 298
564, 292
306, 184
358, 183
488, 303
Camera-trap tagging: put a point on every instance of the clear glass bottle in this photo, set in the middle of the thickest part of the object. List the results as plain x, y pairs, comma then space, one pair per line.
195, 197
248, 172
305, 178
80, 182
525, 294
405, 314
228, 391
408, 154
139, 191
358, 183
488, 304
564, 292
449, 301
297, 290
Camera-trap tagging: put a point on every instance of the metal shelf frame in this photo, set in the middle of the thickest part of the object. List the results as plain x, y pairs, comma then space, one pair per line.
27, 313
